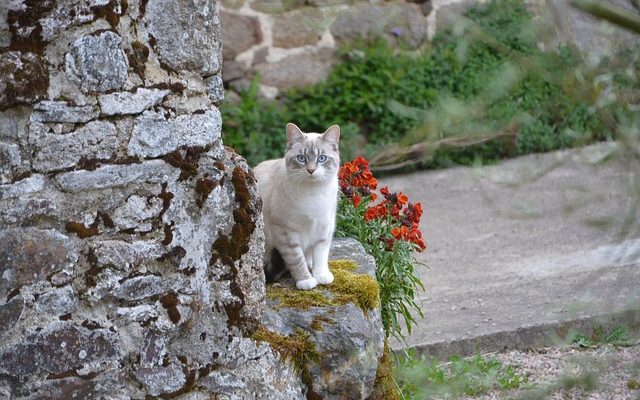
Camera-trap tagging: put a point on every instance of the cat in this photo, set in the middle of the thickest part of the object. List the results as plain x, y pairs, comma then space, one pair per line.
299, 198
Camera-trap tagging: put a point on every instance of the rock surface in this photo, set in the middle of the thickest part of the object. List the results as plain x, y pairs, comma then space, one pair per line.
131, 256
349, 341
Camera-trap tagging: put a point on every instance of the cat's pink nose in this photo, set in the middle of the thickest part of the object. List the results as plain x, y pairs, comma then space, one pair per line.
311, 170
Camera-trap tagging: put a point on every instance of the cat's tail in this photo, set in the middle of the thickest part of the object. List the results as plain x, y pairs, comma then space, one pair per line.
275, 269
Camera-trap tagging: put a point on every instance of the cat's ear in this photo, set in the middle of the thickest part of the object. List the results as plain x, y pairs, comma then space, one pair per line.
332, 136
294, 134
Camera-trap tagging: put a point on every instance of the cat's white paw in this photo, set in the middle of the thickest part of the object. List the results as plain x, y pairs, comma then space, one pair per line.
325, 278
307, 284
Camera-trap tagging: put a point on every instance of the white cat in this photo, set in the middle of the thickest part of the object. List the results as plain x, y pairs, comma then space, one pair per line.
299, 197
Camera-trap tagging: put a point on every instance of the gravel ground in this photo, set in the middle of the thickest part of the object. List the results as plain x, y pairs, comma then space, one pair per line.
614, 371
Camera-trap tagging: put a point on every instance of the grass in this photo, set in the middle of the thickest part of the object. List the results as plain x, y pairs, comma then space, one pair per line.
422, 378
617, 336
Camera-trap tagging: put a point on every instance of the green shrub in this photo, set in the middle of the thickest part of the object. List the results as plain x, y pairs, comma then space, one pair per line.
454, 66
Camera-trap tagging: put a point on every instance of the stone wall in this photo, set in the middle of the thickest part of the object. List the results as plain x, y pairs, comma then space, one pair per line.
293, 43
131, 241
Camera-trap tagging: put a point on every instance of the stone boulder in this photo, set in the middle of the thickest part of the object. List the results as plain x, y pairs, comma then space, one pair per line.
333, 335
297, 70
298, 28
397, 21
240, 32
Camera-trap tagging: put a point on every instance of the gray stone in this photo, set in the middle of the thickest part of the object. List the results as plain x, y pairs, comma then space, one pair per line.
403, 22
232, 70
137, 212
24, 209
110, 176
10, 314
97, 63
23, 78
96, 140
187, 34
140, 287
215, 89
32, 184
30, 255
154, 135
57, 301
161, 380
275, 6
9, 160
240, 33
60, 111
349, 341
299, 28
123, 256
58, 348
13, 124
297, 70
123, 103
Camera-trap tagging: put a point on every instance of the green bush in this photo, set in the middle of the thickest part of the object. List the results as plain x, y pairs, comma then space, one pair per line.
357, 93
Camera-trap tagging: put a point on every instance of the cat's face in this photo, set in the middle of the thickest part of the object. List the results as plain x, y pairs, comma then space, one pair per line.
312, 157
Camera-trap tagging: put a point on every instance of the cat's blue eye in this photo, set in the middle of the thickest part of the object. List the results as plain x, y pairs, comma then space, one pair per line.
322, 158
301, 158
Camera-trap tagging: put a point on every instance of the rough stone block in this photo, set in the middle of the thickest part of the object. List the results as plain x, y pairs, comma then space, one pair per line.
97, 63
140, 287
60, 111
10, 314
96, 140
275, 6
9, 160
110, 176
299, 28
122, 255
29, 255
123, 103
240, 33
161, 380
137, 212
23, 78
298, 70
397, 21
24, 209
196, 48
60, 347
57, 301
215, 89
32, 184
154, 135
348, 340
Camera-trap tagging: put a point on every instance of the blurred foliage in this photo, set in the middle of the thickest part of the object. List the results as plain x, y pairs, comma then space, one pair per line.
618, 336
424, 378
484, 82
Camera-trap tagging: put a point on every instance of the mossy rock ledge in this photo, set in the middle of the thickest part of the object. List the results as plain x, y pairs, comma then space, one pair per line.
333, 335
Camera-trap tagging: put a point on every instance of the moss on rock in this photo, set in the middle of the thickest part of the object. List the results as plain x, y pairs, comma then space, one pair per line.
347, 287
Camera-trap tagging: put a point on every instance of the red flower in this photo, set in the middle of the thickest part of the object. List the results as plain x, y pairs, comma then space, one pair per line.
356, 200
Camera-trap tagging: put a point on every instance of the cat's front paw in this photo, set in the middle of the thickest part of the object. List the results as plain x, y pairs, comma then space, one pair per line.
325, 278
307, 284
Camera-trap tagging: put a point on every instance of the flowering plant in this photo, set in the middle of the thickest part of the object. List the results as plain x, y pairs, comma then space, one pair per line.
390, 231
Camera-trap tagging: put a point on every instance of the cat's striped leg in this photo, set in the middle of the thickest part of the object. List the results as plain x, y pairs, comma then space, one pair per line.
321, 262
293, 256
